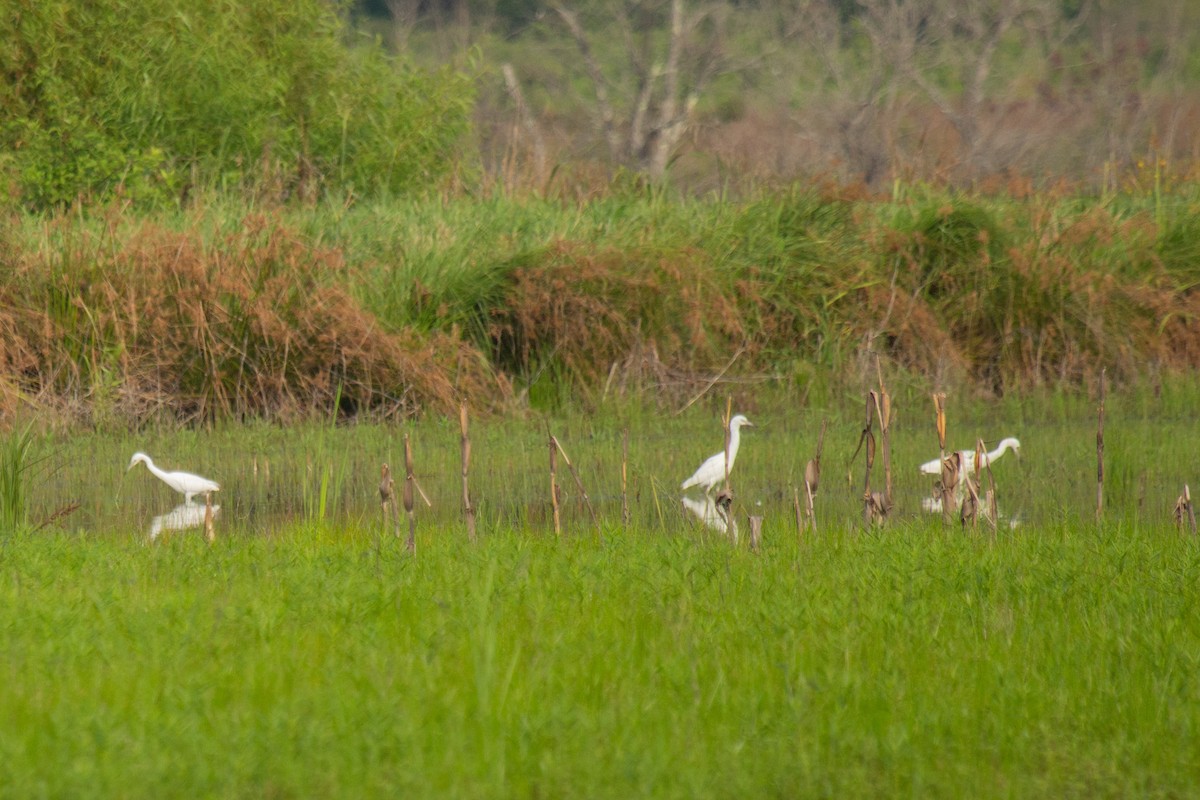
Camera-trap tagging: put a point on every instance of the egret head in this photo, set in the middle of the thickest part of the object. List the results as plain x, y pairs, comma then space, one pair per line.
1014, 445
136, 458
740, 421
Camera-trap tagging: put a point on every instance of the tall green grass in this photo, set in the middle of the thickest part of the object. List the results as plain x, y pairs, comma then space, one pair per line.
16, 463
1056, 662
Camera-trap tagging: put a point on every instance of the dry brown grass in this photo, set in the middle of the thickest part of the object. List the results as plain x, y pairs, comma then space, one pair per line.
256, 323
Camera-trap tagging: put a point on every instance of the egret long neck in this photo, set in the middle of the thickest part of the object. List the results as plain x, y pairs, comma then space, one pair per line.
160, 474
735, 437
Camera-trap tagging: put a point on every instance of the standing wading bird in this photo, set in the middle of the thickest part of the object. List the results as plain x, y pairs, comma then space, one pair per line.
968, 457
185, 483
712, 471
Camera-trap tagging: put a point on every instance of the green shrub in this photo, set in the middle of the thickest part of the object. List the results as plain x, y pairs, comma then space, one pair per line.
148, 99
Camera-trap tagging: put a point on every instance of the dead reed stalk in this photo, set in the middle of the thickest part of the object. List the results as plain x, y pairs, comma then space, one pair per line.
884, 410
468, 509
951, 464
578, 483
756, 521
554, 486
875, 506
1185, 510
409, 504
387, 499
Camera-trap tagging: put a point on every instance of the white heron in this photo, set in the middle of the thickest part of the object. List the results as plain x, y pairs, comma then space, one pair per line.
934, 467
185, 483
712, 471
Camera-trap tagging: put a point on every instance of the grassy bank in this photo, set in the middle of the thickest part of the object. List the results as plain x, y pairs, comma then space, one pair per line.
394, 308
1050, 663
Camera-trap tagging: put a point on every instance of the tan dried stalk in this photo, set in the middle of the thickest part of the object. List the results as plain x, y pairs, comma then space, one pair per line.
756, 521
409, 504
465, 447
1185, 510
387, 499
554, 487
578, 483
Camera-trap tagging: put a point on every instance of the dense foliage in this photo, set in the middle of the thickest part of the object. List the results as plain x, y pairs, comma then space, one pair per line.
147, 100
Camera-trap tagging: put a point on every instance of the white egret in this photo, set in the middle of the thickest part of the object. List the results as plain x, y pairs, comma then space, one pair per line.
185, 483
934, 467
712, 471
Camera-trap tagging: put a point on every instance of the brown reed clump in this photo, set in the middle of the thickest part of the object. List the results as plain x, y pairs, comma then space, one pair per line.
257, 323
590, 310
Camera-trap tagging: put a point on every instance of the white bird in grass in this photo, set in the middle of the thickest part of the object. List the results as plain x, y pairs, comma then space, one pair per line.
934, 467
185, 483
712, 471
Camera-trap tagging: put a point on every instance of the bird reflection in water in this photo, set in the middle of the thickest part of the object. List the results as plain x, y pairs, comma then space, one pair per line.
184, 516
706, 511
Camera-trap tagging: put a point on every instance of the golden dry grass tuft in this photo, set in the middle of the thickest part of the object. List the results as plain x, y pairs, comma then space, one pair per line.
256, 323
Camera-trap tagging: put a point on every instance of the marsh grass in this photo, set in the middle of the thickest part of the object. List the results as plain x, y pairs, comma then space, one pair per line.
301, 652
1051, 662
384, 310
16, 464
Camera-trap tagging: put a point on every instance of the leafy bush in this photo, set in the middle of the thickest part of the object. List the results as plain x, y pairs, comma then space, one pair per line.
149, 98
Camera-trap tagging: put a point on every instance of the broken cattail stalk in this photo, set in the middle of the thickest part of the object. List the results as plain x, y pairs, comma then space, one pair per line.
1184, 510
465, 440
970, 481
870, 511
991, 510
1100, 451
387, 499
812, 474
578, 483
951, 474
409, 504
969, 513
554, 486
877, 508
884, 409
755, 532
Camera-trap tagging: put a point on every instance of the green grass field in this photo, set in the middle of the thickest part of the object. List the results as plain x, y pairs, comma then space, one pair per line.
921, 662
306, 654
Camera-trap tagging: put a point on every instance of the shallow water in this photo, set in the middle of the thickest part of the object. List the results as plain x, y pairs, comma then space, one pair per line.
272, 477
